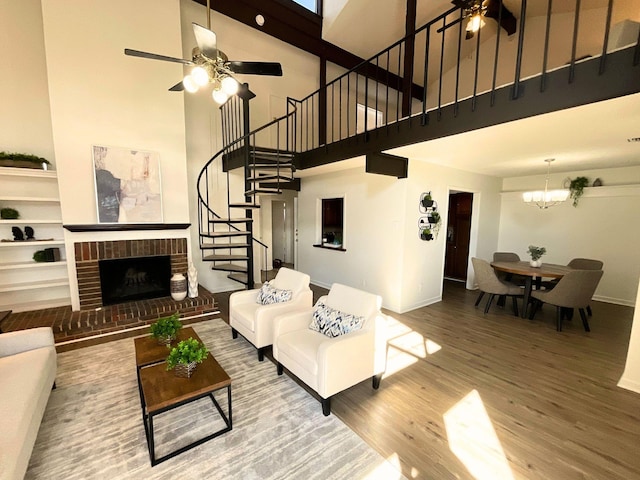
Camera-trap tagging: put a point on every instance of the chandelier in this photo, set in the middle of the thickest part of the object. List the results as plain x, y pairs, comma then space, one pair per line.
211, 72
545, 198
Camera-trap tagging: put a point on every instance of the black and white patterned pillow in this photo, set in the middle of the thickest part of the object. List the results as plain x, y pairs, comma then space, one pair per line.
268, 295
334, 323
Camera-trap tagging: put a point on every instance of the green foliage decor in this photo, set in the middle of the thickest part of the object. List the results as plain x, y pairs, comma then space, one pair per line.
576, 188
186, 352
40, 256
9, 214
166, 326
536, 252
25, 157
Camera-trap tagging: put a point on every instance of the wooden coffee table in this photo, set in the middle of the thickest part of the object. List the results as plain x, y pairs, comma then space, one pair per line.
161, 391
149, 351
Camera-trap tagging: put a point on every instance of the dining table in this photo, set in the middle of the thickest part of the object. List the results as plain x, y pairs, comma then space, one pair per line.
529, 273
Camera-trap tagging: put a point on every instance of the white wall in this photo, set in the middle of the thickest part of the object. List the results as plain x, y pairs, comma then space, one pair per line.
384, 253
603, 226
203, 129
25, 123
631, 376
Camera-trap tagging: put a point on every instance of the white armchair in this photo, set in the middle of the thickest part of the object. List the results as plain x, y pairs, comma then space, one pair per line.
255, 321
329, 365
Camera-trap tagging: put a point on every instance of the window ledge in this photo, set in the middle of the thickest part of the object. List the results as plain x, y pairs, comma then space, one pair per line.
339, 249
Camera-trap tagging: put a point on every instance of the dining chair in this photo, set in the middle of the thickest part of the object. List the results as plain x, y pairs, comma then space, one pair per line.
578, 264
488, 282
574, 290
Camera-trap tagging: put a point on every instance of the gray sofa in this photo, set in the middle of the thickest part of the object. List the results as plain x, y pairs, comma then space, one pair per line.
27, 375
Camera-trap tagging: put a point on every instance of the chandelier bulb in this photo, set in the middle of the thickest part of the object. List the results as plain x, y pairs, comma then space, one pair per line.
229, 85
189, 84
200, 76
219, 96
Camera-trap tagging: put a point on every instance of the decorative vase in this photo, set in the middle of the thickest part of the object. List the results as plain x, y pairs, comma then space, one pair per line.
192, 275
178, 287
535, 263
184, 370
165, 339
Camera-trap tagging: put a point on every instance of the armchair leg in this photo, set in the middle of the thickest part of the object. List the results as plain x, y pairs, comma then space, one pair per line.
234, 333
280, 368
54, 386
486, 308
326, 406
501, 300
585, 322
589, 311
376, 381
261, 354
479, 298
559, 319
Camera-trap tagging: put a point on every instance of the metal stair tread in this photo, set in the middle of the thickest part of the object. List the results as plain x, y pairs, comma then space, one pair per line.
243, 205
220, 258
232, 233
231, 220
229, 267
265, 191
269, 178
239, 277
211, 246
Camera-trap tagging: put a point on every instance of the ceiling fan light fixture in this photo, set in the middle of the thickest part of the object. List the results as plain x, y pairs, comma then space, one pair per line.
229, 85
475, 23
219, 96
189, 84
200, 76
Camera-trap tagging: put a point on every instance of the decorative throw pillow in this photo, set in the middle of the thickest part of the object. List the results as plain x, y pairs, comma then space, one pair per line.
268, 295
334, 323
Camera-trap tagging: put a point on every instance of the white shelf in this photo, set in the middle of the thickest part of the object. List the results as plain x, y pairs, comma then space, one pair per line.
31, 243
21, 221
28, 172
31, 264
30, 199
14, 287
36, 305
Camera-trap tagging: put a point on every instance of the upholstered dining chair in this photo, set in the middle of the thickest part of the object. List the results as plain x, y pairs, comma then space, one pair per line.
333, 345
578, 264
574, 290
252, 312
488, 282
505, 257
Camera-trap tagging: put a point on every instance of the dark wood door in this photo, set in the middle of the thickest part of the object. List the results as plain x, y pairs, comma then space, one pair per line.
458, 235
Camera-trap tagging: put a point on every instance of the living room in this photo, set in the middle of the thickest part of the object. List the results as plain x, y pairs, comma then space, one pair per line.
83, 91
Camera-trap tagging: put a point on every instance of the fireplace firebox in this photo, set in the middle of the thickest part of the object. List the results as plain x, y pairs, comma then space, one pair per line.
134, 278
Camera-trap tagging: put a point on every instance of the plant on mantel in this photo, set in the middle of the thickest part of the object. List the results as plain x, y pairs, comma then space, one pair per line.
22, 160
576, 188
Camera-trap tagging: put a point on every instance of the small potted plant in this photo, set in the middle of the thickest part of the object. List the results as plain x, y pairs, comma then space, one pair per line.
576, 188
435, 220
427, 201
9, 214
23, 160
536, 254
184, 357
166, 329
426, 234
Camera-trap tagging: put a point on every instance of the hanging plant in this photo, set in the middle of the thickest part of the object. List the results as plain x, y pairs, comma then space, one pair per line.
436, 221
576, 188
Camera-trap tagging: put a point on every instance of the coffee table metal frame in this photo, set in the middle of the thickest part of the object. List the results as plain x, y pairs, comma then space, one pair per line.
147, 417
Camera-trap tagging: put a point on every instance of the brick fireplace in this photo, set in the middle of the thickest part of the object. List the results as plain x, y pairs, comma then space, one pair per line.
88, 254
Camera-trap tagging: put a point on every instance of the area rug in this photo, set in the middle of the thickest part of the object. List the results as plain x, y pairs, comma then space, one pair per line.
92, 427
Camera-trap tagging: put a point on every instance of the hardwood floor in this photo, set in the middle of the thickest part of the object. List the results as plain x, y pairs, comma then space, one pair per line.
494, 396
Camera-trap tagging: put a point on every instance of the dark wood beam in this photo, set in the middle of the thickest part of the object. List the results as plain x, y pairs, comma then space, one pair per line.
302, 29
386, 164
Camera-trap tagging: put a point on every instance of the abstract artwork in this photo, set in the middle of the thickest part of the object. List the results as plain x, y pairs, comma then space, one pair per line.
127, 185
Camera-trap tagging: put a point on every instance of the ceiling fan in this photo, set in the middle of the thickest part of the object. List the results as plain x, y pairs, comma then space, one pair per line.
211, 66
476, 9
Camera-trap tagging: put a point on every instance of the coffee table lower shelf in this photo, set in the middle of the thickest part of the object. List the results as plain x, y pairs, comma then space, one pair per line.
161, 391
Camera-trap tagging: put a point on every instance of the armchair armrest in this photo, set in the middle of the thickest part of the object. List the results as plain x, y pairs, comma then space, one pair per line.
243, 296
291, 322
12, 343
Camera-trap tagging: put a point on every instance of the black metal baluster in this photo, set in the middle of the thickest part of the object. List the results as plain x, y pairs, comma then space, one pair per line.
455, 103
444, 31
574, 43
607, 27
543, 77
475, 76
495, 58
516, 81
425, 115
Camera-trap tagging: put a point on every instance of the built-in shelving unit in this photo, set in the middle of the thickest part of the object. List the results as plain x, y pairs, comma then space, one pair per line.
24, 283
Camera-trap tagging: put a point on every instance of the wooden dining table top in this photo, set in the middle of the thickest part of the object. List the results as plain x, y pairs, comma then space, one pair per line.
548, 270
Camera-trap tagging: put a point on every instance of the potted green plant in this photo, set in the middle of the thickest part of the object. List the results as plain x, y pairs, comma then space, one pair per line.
23, 160
435, 220
427, 201
9, 214
184, 357
166, 329
426, 234
576, 188
536, 254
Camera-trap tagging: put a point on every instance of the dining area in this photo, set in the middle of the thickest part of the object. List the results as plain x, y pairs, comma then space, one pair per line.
568, 287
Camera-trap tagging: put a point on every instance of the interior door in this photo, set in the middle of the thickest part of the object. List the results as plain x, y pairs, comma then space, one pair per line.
278, 230
458, 235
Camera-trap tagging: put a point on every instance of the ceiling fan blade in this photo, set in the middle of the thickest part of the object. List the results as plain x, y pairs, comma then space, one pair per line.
154, 56
178, 87
256, 68
507, 20
206, 41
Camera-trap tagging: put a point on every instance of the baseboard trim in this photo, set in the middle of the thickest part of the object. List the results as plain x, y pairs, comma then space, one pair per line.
615, 301
629, 384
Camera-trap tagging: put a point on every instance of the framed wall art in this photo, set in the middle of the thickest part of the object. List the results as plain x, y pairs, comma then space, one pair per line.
128, 188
